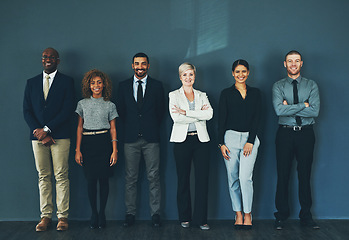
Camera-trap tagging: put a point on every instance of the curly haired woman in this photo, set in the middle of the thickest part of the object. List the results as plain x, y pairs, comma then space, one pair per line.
96, 150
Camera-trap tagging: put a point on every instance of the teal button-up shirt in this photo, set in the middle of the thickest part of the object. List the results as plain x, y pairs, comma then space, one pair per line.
308, 91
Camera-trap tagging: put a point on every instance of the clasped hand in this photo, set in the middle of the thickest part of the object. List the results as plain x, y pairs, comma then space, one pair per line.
42, 136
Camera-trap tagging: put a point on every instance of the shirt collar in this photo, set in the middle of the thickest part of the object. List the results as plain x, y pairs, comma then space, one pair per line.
298, 79
144, 80
233, 87
52, 75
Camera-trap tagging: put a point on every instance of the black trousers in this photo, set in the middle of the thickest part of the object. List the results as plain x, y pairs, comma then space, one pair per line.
292, 144
198, 152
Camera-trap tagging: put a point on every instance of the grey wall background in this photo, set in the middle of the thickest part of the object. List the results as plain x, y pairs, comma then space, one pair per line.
210, 34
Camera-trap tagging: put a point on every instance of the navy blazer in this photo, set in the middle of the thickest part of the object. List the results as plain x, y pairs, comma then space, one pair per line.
144, 122
56, 111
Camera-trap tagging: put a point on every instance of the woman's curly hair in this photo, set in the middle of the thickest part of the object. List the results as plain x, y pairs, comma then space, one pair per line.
85, 84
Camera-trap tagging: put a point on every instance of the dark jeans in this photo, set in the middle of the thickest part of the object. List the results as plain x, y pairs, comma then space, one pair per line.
186, 152
289, 145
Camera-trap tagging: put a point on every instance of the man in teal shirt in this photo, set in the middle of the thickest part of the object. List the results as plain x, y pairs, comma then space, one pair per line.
296, 102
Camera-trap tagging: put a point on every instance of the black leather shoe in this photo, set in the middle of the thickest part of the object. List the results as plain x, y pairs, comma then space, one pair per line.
279, 224
155, 220
310, 223
102, 222
94, 221
129, 220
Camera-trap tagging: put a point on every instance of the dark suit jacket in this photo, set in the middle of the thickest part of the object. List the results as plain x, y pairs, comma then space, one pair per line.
56, 111
146, 121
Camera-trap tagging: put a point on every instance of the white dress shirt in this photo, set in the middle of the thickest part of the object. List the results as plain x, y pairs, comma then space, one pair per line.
135, 85
52, 76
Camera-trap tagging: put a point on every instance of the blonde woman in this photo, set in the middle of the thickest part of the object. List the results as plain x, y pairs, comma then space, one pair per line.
190, 109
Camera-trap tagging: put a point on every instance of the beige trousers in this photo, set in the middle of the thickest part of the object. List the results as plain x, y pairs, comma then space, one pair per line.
53, 160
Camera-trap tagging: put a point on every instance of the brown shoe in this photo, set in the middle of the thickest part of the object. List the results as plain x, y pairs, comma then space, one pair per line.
62, 224
44, 223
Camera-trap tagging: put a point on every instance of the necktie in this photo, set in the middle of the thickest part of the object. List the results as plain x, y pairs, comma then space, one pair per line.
46, 86
296, 100
139, 94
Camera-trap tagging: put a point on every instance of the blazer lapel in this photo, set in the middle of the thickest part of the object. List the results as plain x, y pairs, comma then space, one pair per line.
148, 91
41, 87
196, 99
184, 99
129, 91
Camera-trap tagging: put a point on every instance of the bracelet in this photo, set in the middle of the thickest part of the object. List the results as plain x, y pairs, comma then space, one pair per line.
114, 140
220, 145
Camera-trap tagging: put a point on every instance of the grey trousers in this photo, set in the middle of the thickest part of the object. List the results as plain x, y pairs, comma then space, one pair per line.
151, 153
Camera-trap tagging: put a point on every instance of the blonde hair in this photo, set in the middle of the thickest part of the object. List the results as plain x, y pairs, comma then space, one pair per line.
85, 84
186, 66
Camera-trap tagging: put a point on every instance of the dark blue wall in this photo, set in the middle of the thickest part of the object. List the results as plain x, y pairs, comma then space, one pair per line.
210, 34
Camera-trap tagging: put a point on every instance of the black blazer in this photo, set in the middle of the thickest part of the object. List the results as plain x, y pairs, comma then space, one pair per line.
146, 121
56, 111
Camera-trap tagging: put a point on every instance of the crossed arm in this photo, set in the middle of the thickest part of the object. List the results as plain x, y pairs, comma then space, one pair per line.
178, 114
309, 108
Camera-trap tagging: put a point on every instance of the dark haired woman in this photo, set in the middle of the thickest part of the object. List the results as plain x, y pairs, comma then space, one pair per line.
96, 148
239, 121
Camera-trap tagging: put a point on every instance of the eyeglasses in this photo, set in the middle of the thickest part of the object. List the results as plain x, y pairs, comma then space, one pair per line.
49, 57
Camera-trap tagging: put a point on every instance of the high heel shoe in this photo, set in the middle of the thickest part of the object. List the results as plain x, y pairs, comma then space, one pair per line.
102, 220
94, 221
248, 227
238, 226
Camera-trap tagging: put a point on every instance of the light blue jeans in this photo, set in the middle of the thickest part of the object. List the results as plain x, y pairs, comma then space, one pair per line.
240, 170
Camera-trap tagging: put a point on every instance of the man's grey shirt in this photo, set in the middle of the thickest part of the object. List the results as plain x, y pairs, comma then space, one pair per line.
308, 91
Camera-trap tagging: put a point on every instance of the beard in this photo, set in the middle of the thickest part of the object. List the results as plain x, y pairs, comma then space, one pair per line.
293, 73
140, 74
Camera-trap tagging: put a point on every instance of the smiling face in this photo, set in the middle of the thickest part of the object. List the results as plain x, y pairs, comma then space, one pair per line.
188, 78
240, 74
50, 60
96, 86
293, 65
140, 66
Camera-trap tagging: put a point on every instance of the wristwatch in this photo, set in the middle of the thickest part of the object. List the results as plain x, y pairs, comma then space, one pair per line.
46, 129
220, 145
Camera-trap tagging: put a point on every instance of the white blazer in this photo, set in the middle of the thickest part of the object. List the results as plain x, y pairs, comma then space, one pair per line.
197, 116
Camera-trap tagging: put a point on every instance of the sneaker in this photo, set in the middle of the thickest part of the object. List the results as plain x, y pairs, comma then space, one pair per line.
205, 227
279, 225
185, 224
